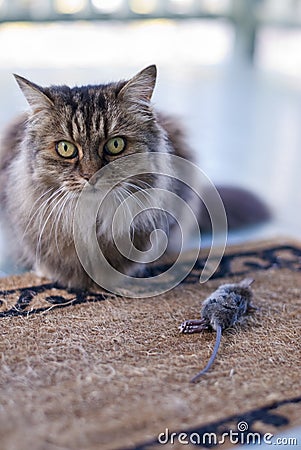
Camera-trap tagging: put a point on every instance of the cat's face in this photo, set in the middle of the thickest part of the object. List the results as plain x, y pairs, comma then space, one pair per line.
73, 132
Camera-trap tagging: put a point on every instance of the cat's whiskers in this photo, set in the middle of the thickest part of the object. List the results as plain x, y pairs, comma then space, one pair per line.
69, 213
149, 202
140, 183
68, 209
44, 211
163, 212
44, 207
144, 205
123, 195
61, 204
129, 193
33, 213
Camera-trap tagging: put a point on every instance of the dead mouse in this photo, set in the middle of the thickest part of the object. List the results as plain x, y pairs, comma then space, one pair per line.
224, 308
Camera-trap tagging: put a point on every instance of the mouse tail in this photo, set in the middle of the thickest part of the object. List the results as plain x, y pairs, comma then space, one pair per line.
212, 357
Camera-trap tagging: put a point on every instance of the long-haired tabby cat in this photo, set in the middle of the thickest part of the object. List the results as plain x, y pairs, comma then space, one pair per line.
49, 153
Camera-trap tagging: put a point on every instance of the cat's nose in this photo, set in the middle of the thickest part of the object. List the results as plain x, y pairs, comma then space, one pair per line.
90, 178
87, 170
86, 176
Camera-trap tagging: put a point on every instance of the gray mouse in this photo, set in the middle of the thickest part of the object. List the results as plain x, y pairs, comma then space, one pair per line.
224, 308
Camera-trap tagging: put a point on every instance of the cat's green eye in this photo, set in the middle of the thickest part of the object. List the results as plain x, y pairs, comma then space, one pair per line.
115, 146
66, 149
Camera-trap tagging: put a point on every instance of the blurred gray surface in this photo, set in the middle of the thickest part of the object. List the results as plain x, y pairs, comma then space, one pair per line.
243, 122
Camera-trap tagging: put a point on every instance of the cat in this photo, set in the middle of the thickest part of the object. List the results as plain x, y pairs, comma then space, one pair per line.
50, 153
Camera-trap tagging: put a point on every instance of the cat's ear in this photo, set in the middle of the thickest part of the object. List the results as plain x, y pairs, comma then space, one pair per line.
34, 94
141, 86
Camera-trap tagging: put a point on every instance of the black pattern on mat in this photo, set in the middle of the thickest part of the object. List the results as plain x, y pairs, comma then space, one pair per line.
278, 257
211, 435
27, 294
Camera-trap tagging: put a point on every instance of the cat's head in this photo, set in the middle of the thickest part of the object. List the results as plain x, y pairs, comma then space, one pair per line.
71, 133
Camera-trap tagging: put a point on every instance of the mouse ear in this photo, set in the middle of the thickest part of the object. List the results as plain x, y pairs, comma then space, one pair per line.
34, 94
141, 86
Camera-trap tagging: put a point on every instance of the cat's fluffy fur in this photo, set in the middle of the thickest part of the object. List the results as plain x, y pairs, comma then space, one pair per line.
39, 188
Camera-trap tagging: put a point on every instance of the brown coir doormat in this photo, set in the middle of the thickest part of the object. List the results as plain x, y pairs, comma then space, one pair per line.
86, 371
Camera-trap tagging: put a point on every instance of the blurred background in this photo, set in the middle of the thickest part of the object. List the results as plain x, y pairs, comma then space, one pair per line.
231, 69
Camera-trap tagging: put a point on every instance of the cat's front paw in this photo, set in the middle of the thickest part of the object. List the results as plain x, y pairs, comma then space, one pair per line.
42, 272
